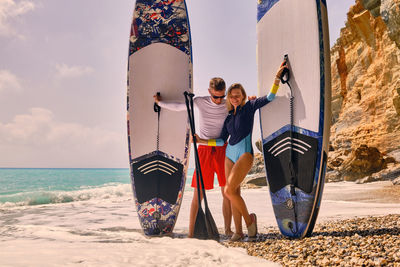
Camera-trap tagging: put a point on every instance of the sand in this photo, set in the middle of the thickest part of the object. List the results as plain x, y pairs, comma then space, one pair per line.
104, 232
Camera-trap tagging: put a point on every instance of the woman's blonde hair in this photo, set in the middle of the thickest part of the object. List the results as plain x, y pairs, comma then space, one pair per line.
235, 86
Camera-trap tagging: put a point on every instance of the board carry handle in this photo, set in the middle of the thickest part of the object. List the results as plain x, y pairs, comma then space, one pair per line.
285, 76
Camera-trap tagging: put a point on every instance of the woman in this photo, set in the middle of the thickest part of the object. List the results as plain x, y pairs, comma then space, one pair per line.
239, 152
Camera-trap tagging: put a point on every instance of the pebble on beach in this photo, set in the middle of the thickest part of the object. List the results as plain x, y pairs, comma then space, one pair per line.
369, 241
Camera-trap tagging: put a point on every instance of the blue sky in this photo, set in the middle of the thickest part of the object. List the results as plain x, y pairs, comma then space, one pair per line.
63, 73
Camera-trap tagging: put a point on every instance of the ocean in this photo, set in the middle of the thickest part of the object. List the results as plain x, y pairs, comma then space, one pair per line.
87, 217
32, 186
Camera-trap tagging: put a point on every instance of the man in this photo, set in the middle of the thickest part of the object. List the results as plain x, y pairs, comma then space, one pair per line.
212, 114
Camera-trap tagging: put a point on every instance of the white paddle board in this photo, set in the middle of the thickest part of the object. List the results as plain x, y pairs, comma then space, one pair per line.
298, 28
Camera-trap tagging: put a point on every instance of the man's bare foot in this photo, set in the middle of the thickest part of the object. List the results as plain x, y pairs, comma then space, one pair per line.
228, 232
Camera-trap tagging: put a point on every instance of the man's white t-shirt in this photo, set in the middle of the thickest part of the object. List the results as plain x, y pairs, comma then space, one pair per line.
211, 115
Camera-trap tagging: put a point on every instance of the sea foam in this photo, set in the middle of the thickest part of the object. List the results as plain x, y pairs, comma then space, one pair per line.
107, 191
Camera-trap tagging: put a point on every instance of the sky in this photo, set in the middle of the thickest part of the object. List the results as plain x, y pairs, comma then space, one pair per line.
63, 73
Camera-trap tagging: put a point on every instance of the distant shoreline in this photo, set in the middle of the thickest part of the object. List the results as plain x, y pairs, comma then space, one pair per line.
60, 168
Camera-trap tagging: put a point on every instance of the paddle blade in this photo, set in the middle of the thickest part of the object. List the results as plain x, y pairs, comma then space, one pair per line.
200, 228
212, 229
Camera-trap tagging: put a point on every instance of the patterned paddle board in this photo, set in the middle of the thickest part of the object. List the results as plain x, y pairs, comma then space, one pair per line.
160, 60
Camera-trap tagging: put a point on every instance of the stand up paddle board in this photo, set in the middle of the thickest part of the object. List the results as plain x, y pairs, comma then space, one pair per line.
160, 60
295, 154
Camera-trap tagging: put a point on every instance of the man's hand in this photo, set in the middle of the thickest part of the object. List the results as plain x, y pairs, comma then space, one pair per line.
252, 97
199, 140
157, 98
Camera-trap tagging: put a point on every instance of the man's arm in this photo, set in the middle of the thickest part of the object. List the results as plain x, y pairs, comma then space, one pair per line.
174, 106
215, 142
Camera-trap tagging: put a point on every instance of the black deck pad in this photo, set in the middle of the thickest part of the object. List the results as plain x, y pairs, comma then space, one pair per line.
304, 157
157, 177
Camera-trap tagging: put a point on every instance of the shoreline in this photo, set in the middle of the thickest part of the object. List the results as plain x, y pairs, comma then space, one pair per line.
98, 232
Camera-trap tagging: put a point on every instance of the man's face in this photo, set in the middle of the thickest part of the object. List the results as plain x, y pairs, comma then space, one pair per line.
217, 96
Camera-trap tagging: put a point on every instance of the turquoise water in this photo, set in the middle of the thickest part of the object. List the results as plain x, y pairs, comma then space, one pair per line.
45, 186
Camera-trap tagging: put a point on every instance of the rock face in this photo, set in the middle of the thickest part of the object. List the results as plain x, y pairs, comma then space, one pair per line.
365, 132
373, 6
390, 13
256, 176
258, 164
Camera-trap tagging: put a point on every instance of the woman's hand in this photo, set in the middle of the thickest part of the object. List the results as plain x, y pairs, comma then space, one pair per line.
279, 72
277, 81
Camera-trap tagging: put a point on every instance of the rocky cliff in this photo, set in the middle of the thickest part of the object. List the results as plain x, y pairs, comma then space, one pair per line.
365, 132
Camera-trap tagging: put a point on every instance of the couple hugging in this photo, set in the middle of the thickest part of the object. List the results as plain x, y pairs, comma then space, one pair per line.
220, 120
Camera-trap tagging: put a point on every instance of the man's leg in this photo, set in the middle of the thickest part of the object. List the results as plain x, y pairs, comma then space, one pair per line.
219, 168
204, 153
194, 207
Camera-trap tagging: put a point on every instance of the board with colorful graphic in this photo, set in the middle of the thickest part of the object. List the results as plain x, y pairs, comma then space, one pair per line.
160, 60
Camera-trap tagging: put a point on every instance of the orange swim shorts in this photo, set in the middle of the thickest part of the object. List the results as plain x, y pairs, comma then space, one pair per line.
212, 160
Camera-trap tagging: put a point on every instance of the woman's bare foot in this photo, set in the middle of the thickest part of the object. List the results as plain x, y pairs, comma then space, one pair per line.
237, 237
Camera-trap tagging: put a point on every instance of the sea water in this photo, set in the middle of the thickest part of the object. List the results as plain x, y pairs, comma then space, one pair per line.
27, 187
89, 218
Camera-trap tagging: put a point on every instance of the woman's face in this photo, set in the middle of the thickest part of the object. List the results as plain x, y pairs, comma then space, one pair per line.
236, 97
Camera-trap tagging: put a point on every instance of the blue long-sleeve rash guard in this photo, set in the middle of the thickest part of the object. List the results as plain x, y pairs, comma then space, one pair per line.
239, 125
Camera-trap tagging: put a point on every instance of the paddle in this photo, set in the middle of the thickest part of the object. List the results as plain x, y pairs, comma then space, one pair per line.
204, 227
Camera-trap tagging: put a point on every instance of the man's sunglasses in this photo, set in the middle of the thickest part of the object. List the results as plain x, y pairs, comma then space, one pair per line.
218, 97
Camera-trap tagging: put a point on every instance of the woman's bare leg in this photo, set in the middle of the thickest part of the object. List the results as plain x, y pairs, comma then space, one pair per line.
237, 174
237, 218
226, 212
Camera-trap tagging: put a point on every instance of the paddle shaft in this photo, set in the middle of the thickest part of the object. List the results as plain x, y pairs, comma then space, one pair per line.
211, 230
199, 175
191, 129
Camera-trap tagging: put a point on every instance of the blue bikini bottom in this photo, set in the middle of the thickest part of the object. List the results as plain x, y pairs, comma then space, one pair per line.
234, 152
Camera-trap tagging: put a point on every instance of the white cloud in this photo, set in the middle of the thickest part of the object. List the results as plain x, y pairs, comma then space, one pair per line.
37, 139
9, 81
9, 10
65, 71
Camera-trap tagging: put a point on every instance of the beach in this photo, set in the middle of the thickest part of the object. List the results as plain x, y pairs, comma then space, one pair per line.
106, 232
354, 229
